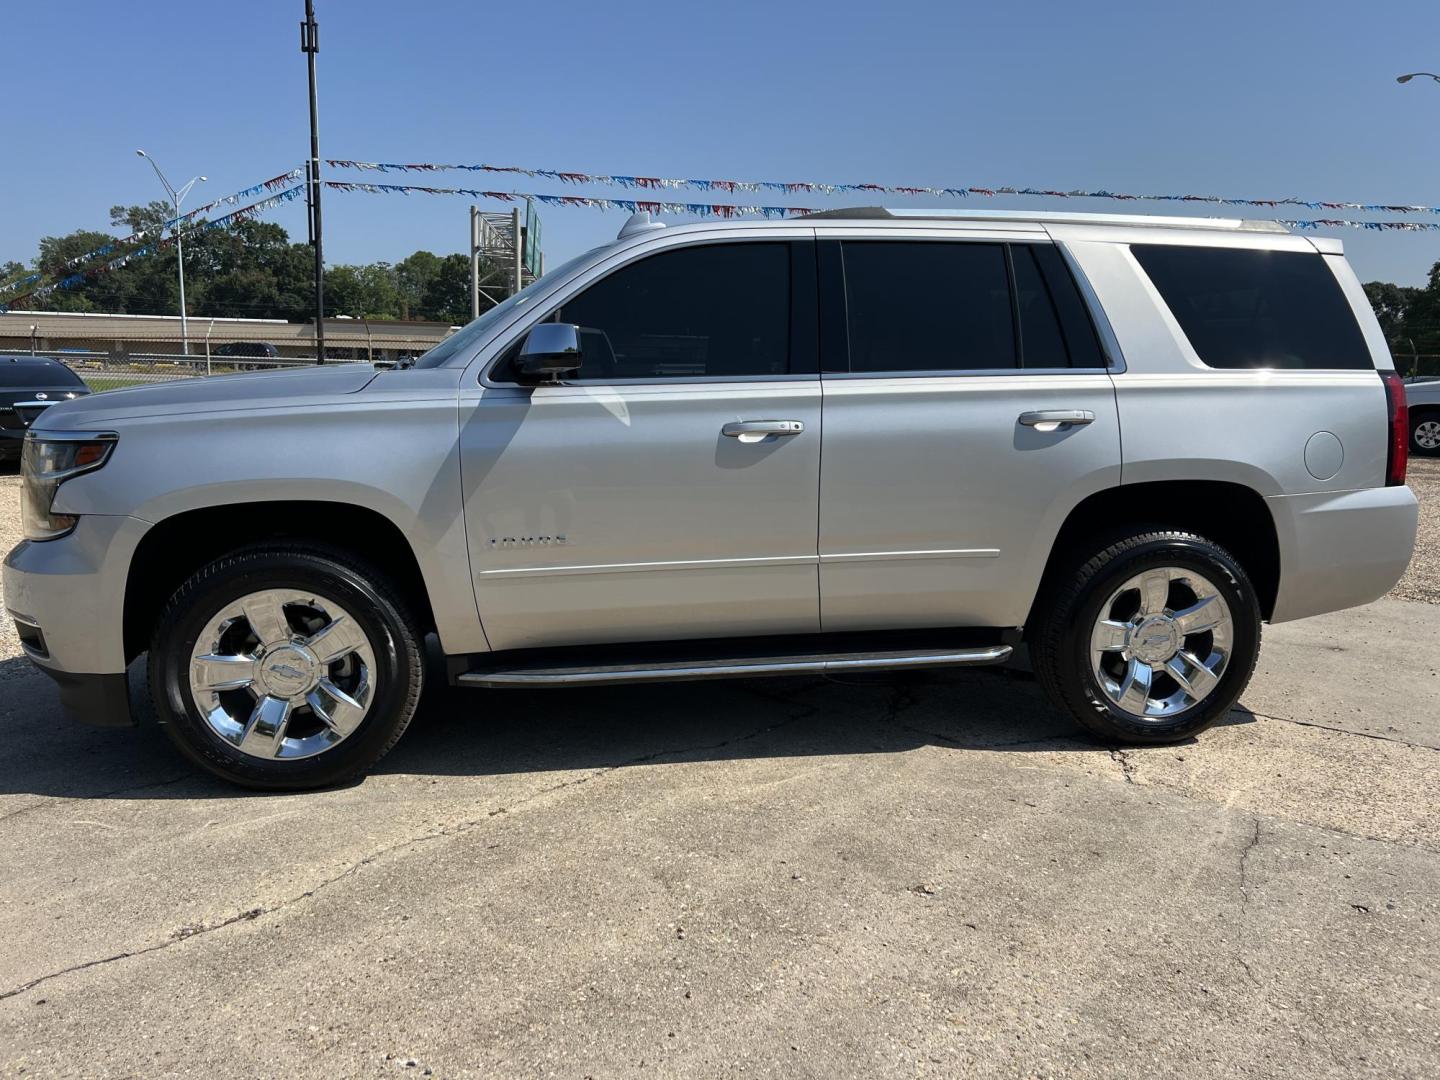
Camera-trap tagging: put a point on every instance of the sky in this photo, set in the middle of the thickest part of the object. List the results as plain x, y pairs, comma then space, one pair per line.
1238, 99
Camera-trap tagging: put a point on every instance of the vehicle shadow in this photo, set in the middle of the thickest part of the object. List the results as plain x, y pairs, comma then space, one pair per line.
478, 733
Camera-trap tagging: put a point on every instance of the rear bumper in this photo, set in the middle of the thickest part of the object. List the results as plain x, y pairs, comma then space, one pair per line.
1341, 549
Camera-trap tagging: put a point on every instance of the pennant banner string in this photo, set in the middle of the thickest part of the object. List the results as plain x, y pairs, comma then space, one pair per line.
273, 184
233, 199
659, 183
227, 220
720, 210
730, 210
724, 210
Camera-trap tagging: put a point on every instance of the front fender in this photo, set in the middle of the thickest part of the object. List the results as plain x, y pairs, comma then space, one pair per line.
397, 457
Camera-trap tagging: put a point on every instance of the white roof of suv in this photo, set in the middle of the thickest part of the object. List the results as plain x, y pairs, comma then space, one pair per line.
1055, 217
641, 222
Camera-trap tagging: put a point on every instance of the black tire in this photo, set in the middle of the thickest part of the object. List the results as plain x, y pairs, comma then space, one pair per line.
393, 634
1418, 417
1060, 646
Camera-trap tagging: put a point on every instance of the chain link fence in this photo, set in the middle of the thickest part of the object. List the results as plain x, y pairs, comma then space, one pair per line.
1412, 363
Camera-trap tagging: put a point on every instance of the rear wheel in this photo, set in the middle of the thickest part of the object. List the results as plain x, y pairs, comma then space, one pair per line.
1151, 640
285, 668
1425, 433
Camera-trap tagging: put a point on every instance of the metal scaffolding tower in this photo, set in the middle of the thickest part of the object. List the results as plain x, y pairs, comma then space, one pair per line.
497, 257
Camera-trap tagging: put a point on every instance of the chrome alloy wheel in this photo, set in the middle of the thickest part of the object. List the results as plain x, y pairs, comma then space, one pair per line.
282, 674
1162, 642
1427, 434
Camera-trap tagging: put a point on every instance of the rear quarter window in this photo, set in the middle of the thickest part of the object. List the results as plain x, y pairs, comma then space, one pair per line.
1242, 308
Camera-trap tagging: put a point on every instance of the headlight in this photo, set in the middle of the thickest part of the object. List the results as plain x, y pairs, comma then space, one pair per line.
46, 462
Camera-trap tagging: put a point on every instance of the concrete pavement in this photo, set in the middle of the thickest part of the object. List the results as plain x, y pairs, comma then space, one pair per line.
927, 875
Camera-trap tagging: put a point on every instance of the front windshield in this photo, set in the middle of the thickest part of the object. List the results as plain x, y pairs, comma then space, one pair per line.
465, 338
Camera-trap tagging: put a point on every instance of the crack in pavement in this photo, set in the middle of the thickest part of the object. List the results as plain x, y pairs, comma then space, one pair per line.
1121, 757
188, 933
1342, 731
1245, 864
1243, 875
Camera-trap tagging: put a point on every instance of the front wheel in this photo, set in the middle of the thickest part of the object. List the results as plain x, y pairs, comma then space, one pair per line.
285, 668
1151, 640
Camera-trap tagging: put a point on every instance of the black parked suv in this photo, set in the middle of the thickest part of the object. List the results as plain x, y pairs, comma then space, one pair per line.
29, 385
259, 350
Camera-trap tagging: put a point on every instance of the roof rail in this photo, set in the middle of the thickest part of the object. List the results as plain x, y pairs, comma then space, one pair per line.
870, 213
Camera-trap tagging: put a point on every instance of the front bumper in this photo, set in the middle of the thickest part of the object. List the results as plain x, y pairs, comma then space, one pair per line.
70, 594
1341, 549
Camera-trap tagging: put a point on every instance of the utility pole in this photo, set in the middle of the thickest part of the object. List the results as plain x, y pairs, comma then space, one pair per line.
474, 262
310, 45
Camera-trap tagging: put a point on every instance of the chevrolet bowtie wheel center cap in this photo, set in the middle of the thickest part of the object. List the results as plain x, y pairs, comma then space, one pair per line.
288, 671
1155, 640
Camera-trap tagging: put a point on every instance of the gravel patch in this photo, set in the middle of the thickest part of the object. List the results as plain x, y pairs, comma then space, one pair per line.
1422, 581
9, 537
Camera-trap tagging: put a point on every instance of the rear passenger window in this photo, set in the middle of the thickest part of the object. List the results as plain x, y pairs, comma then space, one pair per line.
928, 306
1256, 309
1052, 310
1041, 340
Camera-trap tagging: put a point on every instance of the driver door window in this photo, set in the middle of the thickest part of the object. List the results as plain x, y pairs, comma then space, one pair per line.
704, 312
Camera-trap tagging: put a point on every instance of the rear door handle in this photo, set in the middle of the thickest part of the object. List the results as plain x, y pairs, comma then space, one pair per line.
750, 431
1054, 419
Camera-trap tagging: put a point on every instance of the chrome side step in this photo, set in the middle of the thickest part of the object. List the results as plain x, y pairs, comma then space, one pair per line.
739, 668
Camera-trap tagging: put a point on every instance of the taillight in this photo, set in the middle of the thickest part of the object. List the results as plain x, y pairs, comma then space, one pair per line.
1399, 455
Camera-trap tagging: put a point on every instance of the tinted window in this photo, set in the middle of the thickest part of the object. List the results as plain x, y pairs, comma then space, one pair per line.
27, 372
1041, 342
1079, 332
1256, 309
936, 306
714, 310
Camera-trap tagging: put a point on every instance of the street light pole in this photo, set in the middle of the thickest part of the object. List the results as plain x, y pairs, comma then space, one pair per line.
310, 45
176, 198
1417, 75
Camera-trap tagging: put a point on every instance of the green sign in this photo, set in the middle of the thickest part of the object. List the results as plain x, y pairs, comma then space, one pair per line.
532, 239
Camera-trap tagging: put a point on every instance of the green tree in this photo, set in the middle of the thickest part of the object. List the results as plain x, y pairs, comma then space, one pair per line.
149, 219
447, 294
370, 291
248, 269
1410, 319
413, 276
1391, 304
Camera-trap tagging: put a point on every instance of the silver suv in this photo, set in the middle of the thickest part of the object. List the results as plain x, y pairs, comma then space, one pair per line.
865, 440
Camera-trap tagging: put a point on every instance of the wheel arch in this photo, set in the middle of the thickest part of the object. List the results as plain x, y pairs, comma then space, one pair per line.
175, 547
1232, 515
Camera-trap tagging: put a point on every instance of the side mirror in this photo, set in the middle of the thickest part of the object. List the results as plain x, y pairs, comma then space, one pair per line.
550, 349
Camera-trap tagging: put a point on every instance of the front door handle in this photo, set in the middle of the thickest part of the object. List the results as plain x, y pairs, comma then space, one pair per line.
751, 431
1054, 419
